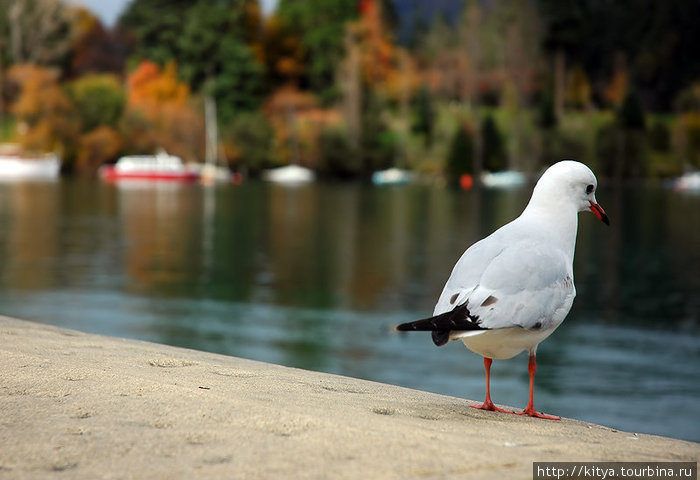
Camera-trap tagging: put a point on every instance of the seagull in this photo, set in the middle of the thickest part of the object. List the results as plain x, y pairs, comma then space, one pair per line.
509, 291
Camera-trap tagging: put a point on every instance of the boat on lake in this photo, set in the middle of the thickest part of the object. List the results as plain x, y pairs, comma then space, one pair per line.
289, 175
160, 166
688, 182
392, 176
18, 165
504, 179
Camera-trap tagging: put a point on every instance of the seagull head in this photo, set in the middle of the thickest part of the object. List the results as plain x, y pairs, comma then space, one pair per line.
570, 181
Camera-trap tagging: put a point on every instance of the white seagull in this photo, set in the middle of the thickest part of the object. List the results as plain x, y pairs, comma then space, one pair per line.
512, 289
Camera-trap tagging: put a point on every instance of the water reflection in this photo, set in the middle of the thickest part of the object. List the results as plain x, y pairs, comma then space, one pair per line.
315, 277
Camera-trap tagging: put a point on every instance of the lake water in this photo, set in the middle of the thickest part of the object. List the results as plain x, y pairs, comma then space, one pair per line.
317, 276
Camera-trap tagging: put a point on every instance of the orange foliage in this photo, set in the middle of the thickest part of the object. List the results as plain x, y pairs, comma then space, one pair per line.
282, 50
298, 122
167, 119
46, 117
97, 147
616, 90
384, 65
151, 87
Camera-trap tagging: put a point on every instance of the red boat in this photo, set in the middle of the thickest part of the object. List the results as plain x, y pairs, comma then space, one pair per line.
149, 167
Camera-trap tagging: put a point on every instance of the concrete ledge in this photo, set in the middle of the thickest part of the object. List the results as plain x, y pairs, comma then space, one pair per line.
81, 406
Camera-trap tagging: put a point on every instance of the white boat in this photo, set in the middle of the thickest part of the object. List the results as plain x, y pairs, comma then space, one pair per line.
688, 182
290, 175
160, 166
392, 176
211, 173
505, 179
15, 165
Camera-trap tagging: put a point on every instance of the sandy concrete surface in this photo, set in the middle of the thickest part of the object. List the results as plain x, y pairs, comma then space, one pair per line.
80, 406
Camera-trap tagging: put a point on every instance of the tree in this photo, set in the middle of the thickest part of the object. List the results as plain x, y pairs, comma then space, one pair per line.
282, 52
338, 157
96, 148
320, 25
46, 117
460, 159
94, 49
154, 27
493, 150
630, 116
99, 100
658, 42
173, 121
151, 87
37, 31
424, 122
238, 87
378, 143
248, 142
208, 27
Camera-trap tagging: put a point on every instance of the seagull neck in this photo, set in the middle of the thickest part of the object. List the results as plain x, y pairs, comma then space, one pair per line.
559, 224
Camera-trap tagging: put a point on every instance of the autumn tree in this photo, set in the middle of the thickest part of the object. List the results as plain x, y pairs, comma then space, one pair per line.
151, 87
161, 104
94, 49
47, 120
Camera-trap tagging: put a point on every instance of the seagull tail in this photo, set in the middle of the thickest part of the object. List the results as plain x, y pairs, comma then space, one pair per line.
441, 325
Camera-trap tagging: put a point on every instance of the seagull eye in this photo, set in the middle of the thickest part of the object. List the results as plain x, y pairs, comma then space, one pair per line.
589, 189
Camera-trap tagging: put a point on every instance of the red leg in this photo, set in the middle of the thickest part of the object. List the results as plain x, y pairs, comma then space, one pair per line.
488, 404
530, 409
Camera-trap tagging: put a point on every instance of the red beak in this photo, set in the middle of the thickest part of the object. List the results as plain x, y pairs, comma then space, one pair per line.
600, 213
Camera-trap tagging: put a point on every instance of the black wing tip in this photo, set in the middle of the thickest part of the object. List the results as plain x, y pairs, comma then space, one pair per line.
458, 319
440, 337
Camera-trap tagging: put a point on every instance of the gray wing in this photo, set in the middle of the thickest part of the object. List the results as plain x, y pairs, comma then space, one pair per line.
527, 283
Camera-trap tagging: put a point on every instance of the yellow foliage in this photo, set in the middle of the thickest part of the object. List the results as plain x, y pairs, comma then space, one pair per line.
578, 88
46, 117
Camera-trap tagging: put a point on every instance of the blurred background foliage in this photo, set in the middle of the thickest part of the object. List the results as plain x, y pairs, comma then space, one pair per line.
348, 87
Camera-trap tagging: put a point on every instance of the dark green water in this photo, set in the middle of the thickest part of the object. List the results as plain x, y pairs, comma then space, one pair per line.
316, 277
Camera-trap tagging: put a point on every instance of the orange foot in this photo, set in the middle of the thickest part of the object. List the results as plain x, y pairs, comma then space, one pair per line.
530, 411
488, 405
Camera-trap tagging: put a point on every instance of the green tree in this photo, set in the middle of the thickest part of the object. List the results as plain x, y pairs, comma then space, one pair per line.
338, 157
155, 27
630, 116
660, 64
424, 122
492, 146
238, 86
99, 100
252, 138
378, 142
207, 28
321, 26
460, 159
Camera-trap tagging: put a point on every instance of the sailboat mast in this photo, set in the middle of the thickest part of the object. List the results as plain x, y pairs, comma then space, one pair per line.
211, 131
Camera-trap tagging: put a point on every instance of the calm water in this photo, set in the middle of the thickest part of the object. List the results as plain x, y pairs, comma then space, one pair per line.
315, 277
